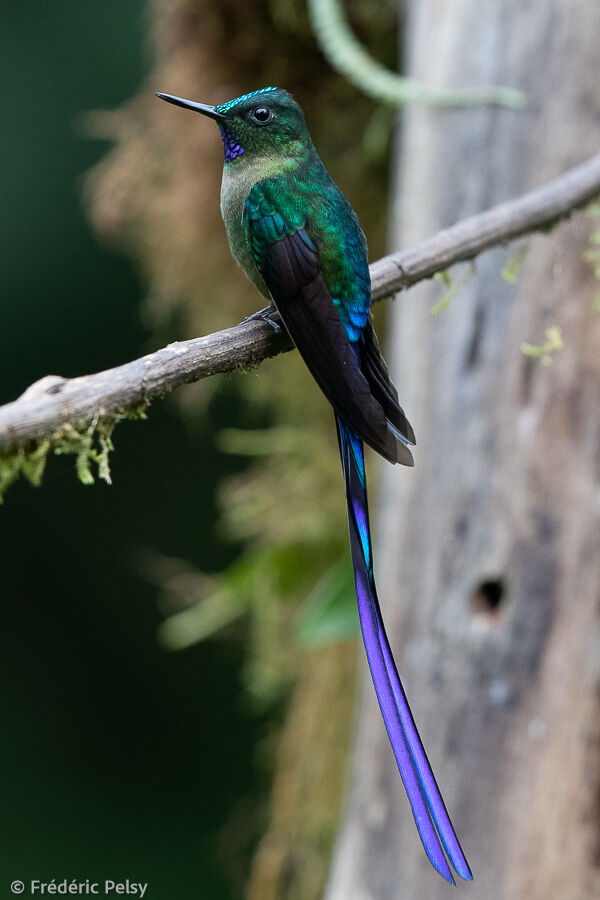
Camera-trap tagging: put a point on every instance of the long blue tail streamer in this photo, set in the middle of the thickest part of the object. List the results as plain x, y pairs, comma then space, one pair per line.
429, 811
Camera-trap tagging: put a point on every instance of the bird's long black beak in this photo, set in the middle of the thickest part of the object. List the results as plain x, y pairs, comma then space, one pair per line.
209, 111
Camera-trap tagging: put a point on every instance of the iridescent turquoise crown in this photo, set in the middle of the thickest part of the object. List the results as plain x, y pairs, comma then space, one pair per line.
225, 107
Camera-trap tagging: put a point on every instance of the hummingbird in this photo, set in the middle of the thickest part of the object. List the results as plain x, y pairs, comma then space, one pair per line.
299, 241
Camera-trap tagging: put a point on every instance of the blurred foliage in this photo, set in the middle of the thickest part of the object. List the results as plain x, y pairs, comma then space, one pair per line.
156, 197
327, 615
118, 760
293, 855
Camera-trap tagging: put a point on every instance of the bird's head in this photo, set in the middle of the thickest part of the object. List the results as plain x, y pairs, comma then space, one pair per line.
268, 121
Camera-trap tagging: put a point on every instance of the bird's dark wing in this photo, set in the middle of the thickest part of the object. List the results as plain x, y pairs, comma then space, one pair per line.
376, 372
288, 262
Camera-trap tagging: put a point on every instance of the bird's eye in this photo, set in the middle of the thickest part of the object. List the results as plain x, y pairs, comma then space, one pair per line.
261, 115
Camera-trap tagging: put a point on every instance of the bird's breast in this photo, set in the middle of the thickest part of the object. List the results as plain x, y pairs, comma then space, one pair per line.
239, 177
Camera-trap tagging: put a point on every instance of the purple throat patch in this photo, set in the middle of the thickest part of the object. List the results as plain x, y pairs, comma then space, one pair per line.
230, 145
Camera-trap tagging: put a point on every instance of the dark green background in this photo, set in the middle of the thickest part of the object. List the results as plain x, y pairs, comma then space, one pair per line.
118, 760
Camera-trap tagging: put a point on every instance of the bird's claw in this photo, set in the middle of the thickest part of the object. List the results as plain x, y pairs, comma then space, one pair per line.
265, 316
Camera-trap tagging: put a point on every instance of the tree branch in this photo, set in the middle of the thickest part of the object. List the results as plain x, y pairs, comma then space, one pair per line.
54, 402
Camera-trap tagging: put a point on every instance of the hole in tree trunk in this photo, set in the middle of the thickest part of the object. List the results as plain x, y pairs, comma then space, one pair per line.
488, 598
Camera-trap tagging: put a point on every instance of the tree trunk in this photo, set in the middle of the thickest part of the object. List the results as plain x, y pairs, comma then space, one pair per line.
488, 555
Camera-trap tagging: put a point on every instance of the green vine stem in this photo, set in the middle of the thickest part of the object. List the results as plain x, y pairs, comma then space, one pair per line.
348, 57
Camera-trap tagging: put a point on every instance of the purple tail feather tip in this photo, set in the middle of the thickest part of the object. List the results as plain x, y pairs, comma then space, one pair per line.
431, 817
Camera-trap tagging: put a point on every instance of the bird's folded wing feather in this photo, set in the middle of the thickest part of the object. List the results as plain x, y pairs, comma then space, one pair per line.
376, 372
288, 262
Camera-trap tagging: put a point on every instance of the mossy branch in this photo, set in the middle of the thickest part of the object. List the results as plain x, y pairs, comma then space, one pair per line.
77, 415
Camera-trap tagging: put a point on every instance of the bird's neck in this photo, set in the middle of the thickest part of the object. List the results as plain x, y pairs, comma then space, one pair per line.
247, 169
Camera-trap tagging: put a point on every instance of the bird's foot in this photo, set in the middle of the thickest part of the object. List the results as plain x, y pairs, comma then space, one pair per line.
266, 316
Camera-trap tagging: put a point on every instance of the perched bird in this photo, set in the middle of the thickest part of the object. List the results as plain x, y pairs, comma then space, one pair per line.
298, 239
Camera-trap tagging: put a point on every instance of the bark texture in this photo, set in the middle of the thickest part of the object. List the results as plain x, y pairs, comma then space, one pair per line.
505, 495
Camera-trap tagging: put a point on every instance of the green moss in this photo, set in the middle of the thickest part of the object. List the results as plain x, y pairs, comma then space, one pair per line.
514, 265
452, 288
89, 442
554, 341
450, 292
